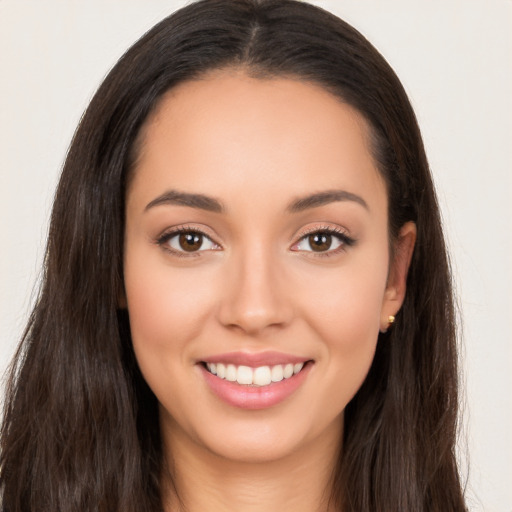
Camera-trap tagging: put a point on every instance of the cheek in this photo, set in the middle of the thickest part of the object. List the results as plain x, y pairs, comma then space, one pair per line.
167, 308
343, 309
345, 303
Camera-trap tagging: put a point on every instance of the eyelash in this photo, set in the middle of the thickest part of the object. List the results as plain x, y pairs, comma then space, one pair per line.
163, 240
341, 235
345, 240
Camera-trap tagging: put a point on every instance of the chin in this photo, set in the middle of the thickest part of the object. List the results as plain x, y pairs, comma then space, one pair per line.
263, 436
256, 449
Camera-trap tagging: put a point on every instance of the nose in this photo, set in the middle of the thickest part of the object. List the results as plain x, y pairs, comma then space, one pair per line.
257, 294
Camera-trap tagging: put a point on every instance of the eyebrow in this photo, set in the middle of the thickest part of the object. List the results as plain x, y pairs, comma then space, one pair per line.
323, 198
210, 204
175, 197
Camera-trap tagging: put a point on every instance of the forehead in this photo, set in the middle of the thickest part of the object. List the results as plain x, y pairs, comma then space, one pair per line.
228, 133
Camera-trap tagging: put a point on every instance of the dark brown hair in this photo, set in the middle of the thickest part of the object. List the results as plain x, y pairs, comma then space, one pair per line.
80, 429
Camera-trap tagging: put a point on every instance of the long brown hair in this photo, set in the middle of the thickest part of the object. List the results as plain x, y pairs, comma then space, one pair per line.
80, 429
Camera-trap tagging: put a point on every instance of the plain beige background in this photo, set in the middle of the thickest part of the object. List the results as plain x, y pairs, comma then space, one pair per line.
454, 60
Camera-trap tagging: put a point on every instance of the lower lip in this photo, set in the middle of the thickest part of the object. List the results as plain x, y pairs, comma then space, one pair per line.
255, 397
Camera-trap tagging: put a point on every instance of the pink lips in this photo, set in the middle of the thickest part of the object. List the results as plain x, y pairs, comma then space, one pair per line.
254, 397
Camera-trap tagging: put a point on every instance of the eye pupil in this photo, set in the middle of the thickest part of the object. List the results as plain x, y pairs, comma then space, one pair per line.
191, 241
320, 242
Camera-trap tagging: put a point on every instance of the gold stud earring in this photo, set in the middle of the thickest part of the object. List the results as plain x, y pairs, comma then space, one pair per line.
391, 321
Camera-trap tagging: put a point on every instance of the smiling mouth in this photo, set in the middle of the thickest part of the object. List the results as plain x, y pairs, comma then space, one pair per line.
258, 377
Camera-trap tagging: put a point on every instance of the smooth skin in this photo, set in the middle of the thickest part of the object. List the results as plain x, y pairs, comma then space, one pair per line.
247, 272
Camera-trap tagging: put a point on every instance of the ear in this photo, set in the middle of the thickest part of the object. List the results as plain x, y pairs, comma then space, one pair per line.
397, 279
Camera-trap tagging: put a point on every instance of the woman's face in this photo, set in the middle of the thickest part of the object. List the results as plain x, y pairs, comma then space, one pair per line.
256, 246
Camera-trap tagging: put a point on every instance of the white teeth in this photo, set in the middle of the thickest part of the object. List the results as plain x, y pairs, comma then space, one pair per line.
231, 373
297, 368
260, 376
221, 371
288, 371
277, 373
244, 375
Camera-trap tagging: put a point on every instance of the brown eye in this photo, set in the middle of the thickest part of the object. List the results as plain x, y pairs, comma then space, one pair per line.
323, 241
320, 242
190, 242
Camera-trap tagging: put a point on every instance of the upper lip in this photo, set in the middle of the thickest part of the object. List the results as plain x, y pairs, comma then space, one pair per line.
255, 359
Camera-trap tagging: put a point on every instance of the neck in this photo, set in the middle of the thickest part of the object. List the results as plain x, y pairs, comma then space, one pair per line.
202, 480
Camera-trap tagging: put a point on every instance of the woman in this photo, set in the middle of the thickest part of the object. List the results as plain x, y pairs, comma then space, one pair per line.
247, 301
